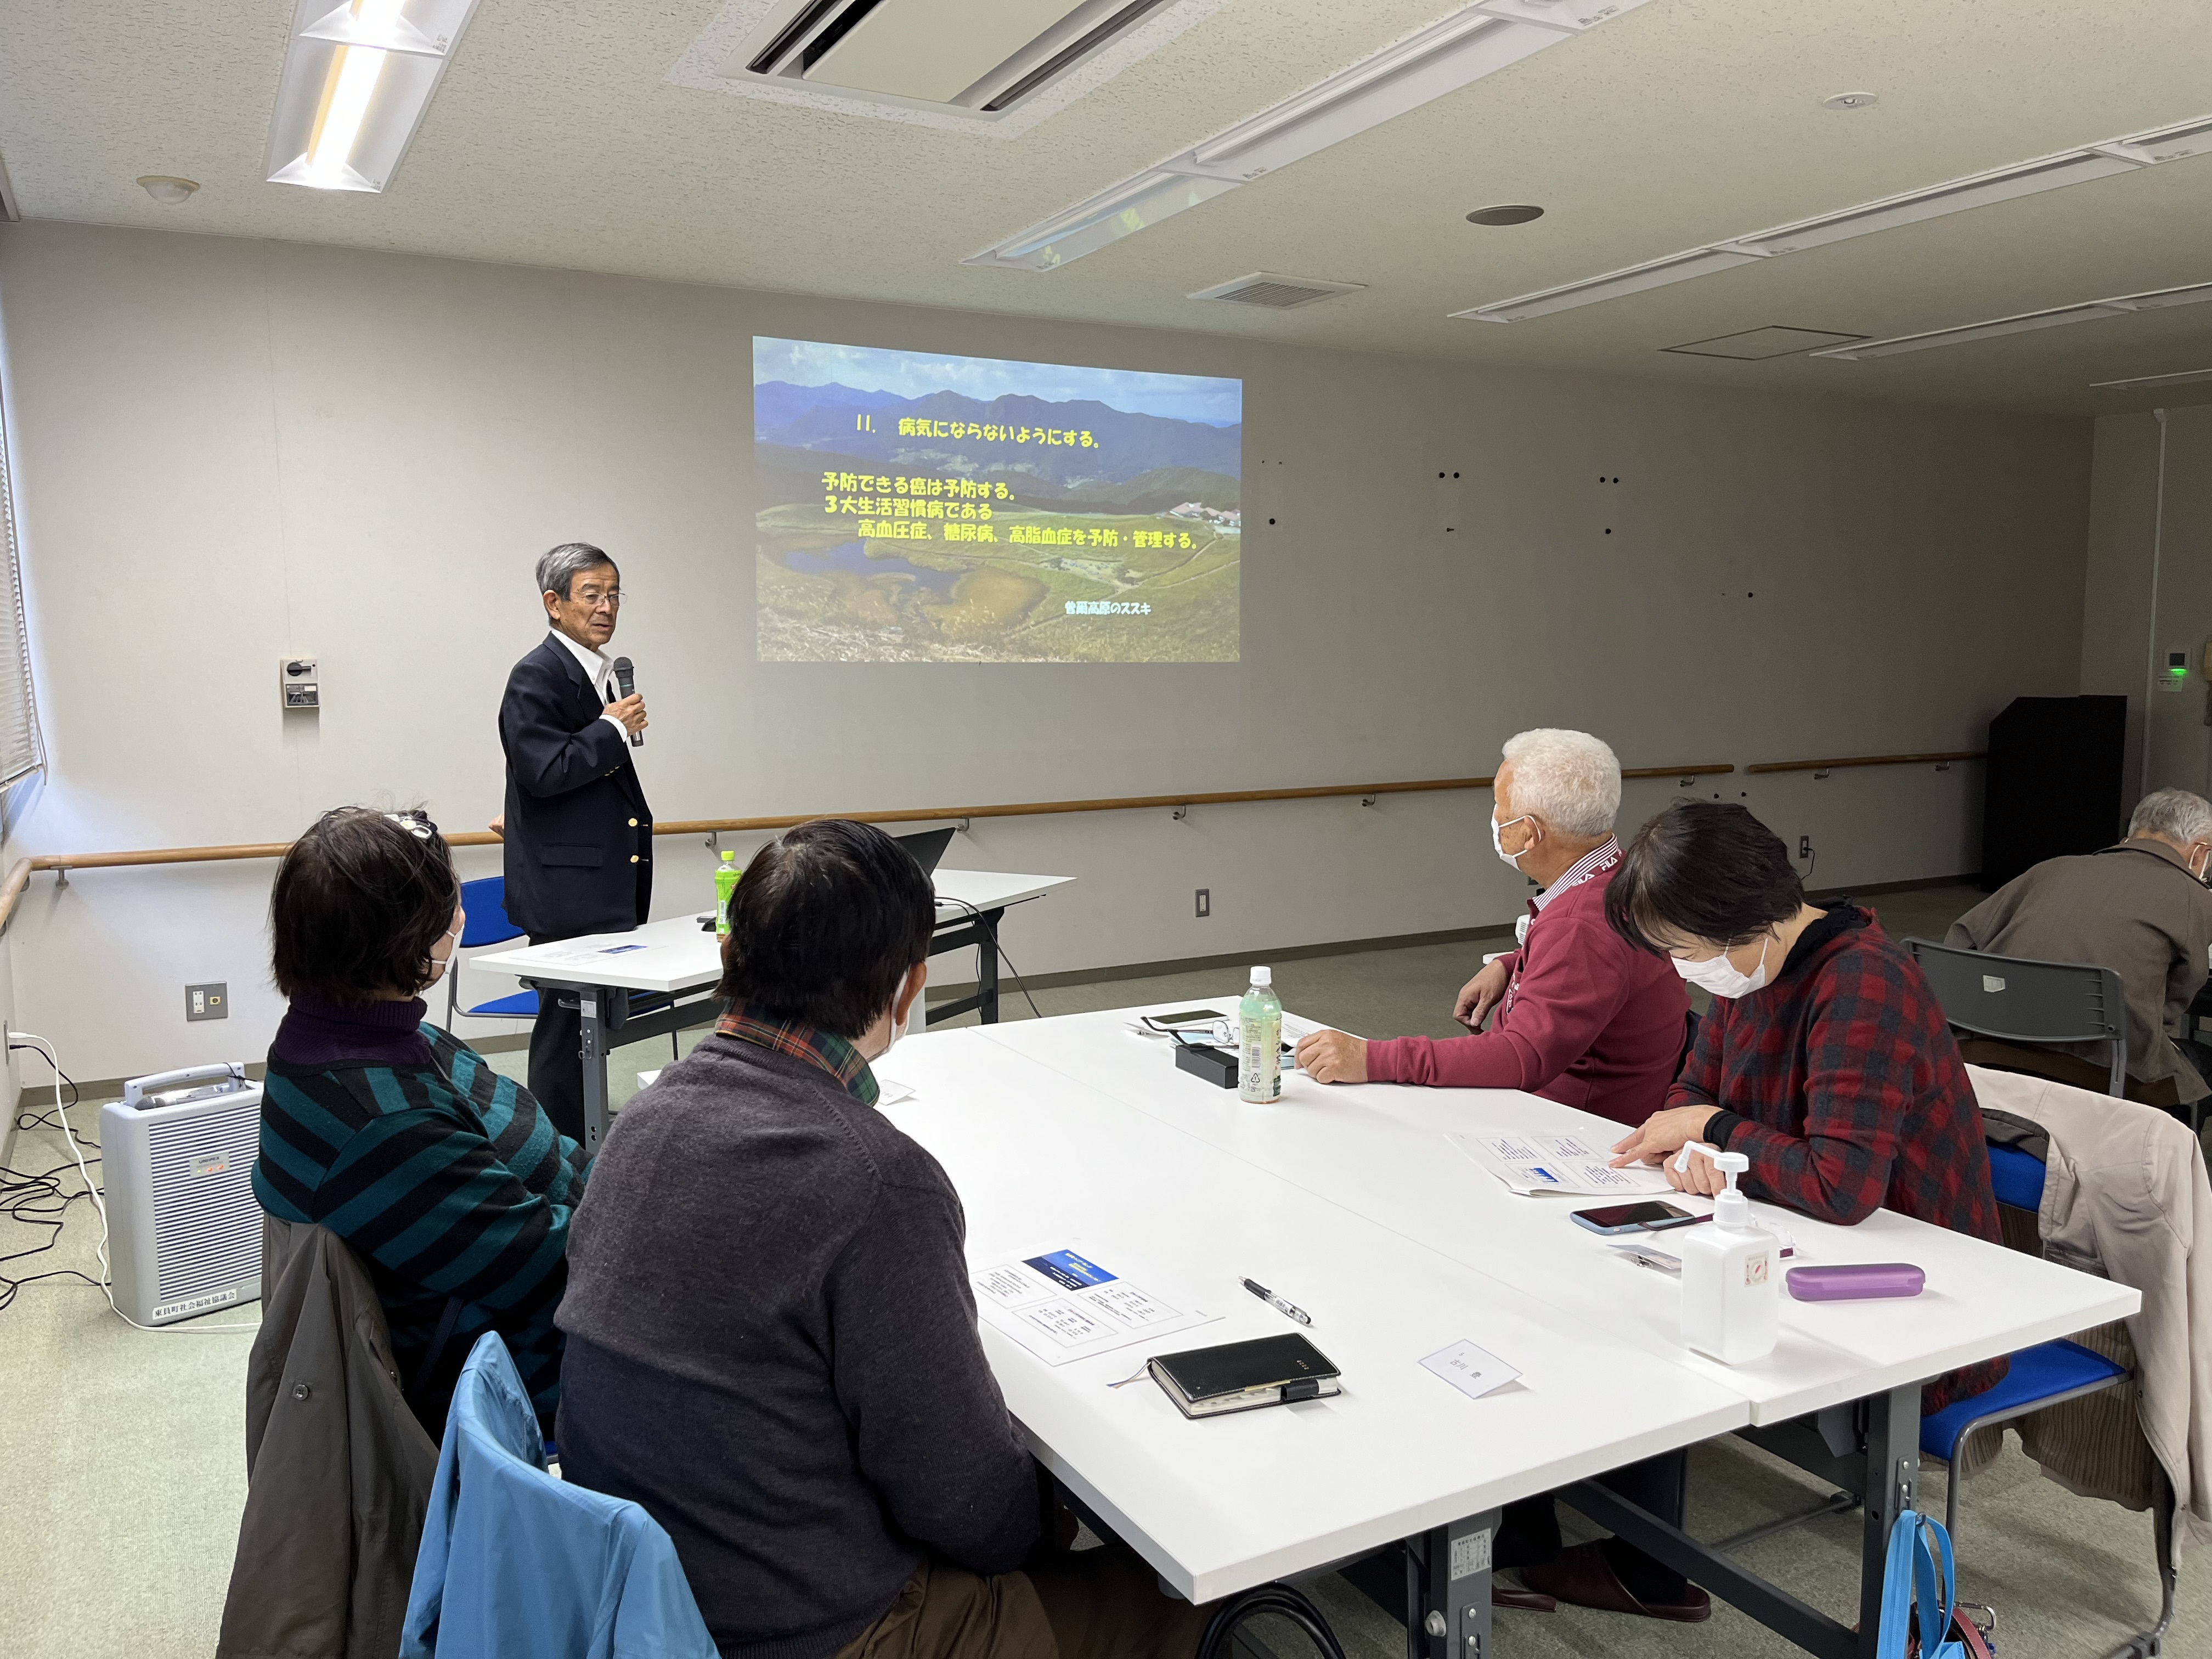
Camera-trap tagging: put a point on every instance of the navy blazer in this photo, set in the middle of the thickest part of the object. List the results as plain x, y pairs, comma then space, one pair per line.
579, 833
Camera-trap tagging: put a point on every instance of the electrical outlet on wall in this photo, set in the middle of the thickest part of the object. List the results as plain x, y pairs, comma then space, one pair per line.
1205, 903
1804, 847
207, 1001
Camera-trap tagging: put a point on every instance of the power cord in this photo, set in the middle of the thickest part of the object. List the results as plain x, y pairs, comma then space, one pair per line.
44, 1049
1279, 1600
1020, 984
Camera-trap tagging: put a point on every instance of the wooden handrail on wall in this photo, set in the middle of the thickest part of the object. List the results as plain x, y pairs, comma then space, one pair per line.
18, 877
1869, 760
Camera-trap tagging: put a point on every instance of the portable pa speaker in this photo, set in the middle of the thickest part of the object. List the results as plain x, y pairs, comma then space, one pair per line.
183, 1229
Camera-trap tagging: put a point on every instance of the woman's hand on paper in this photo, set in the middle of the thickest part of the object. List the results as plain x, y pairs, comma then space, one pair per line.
1333, 1057
1663, 1135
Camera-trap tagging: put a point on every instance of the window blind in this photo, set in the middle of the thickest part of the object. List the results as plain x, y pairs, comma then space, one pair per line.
21, 751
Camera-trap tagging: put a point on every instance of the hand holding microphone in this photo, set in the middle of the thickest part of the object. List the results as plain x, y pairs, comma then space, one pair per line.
630, 709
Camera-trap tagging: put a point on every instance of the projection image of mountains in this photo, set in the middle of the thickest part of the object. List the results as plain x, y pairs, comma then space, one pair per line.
917, 507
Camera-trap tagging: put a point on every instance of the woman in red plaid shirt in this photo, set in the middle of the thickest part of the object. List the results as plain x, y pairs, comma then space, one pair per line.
1826, 1059
1842, 1086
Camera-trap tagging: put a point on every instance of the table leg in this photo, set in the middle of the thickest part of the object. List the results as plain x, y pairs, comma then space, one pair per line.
593, 1056
1447, 1598
987, 967
1892, 1485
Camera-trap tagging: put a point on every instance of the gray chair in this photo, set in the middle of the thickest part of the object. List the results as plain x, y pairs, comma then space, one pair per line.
2015, 1000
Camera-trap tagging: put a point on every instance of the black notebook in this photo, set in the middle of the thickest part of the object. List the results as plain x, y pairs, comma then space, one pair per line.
1242, 1377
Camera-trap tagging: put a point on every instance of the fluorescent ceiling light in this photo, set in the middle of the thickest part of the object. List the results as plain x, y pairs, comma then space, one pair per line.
2025, 322
357, 77
2152, 380
2130, 154
1459, 49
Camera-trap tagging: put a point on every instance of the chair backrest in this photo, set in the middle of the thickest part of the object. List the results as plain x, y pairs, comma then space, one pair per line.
485, 901
2016, 999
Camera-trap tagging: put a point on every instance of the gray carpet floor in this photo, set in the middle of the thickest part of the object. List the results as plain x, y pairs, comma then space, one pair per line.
122, 1469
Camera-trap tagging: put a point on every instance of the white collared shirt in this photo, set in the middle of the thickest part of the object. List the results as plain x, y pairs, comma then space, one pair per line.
599, 671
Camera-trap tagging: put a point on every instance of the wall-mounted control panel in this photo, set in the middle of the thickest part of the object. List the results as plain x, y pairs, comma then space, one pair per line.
299, 683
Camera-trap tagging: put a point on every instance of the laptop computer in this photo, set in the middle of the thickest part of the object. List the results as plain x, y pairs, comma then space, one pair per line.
928, 848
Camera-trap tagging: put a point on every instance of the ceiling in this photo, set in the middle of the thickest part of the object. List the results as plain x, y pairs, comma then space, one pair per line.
558, 139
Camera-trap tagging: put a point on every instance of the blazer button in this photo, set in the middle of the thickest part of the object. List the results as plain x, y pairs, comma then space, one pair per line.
633, 823
633, 858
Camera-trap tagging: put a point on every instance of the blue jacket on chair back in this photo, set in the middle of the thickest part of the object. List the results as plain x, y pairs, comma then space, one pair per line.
515, 1561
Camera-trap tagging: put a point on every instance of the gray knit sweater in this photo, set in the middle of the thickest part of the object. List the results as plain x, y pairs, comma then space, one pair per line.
772, 1347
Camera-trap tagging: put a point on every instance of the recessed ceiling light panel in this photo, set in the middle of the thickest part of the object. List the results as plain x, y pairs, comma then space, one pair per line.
2120, 305
1758, 344
2174, 379
2113, 156
1453, 52
358, 76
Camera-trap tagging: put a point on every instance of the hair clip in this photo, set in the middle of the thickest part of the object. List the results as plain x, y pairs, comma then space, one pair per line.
415, 824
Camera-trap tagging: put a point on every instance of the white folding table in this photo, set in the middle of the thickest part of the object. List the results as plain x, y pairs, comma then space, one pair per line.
1840, 1393
670, 966
1219, 1505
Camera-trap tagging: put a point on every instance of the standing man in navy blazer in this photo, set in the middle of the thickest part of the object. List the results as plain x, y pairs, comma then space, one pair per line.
578, 831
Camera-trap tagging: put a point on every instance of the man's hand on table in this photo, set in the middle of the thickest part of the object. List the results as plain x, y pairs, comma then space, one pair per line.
1663, 1135
1480, 994
1333, 1057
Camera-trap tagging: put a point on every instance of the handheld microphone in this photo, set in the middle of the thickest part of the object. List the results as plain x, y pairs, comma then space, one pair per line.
626, 683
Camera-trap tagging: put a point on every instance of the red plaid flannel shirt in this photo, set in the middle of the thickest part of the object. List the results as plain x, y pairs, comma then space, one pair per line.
1849, 1096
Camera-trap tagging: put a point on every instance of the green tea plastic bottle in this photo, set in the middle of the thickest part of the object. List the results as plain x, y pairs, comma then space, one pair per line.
1259, 1060
726, 882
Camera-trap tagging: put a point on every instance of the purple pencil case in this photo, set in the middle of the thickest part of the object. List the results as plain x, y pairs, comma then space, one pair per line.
1859, 1282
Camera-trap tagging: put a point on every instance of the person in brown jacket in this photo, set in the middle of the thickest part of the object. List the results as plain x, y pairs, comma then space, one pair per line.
2141, 909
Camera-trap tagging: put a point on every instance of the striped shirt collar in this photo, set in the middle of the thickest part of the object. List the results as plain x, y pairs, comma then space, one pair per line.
1602, 857
825, 1049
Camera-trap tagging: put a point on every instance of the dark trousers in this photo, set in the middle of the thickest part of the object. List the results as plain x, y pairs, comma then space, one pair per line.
556, 1065
1528, 1531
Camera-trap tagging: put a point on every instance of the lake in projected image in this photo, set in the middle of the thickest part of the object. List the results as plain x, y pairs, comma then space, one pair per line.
920, 507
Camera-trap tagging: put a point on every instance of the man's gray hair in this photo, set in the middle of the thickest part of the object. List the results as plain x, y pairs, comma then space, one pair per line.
560, 567
1570, 780
2174, 814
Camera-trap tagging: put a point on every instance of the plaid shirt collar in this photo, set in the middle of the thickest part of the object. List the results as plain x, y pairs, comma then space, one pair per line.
833, 1054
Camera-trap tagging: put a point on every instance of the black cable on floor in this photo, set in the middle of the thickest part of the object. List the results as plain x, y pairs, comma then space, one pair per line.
41, 1199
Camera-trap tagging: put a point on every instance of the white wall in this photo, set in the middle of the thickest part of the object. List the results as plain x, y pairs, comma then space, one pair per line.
2136, 520
231, 450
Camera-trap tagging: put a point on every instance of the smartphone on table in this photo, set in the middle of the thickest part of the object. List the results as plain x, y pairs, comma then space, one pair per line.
1651, 1216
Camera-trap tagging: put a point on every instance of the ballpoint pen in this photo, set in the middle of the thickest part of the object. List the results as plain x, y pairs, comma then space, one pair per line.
1284, 1308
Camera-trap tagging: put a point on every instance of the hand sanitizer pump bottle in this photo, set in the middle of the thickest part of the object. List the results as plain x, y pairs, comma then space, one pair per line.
1730, 1303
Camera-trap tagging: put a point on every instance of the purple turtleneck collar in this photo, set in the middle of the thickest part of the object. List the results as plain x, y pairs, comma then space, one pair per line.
321, 1034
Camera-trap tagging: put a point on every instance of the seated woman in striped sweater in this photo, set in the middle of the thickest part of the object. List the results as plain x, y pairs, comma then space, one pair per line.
443, 1177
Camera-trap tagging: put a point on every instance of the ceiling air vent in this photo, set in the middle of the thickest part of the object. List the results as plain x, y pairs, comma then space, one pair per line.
1265, 287
983, 59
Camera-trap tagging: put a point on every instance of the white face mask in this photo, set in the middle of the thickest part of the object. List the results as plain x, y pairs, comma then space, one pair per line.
1719, 976
898, 1028
1499, 846
440, 965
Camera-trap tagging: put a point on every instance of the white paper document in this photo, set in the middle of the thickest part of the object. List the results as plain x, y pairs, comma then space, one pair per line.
1557, 1163
1062, 1303
1473, 1371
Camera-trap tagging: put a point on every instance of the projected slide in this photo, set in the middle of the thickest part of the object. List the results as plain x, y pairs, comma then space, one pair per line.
914, 507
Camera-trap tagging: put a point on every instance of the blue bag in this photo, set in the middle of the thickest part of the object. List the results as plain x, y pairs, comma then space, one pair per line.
1919, 1572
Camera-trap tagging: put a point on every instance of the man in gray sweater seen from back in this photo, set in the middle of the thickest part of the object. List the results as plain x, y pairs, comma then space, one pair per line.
771, 1337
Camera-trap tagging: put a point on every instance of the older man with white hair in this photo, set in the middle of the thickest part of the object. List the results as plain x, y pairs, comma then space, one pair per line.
1583, 1017
2139, 908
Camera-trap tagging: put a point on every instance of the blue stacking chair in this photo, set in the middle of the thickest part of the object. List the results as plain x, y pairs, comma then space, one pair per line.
2046, 1374
485, 902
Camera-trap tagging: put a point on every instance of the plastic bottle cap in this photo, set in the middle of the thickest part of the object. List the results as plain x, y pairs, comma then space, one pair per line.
1263, 976
729, 857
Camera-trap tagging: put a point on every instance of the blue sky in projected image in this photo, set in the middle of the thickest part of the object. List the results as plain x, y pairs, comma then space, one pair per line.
917, 373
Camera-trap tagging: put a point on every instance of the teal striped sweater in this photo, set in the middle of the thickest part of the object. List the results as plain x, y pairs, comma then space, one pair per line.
447, 1181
